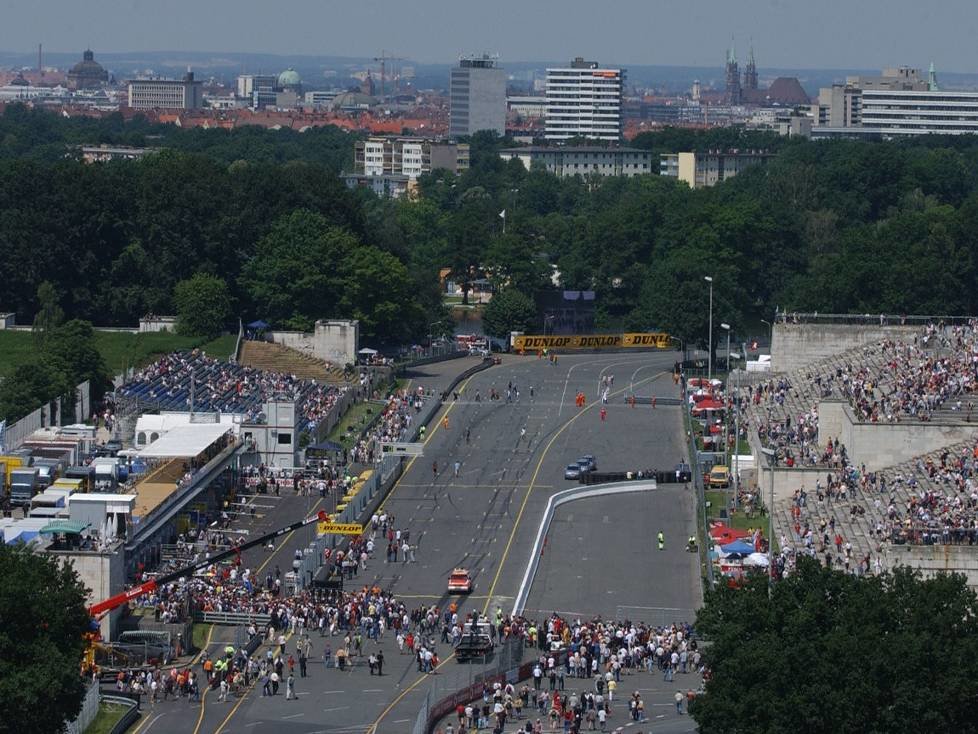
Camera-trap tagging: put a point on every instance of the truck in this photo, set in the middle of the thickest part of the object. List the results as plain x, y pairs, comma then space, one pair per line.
48, 471
23, 486
106, 474
85, 473
476, 641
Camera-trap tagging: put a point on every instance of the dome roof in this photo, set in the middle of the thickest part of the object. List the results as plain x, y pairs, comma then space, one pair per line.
19, 81
289, 78
87, 72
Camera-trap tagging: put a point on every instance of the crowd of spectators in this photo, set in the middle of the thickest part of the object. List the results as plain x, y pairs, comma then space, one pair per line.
219, 385
394, 424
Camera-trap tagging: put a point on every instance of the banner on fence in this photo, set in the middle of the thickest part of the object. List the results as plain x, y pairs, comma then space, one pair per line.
641, 340
339, 528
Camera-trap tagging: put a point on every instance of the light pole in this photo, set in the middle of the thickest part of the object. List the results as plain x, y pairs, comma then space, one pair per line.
771, 457
709, 370
770, 332
726, 416
431, 345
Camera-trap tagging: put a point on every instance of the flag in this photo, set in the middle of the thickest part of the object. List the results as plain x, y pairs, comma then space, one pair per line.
503, 214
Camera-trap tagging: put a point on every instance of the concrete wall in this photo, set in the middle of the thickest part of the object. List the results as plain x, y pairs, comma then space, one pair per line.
932, 559
157, 323
335, 341
796, 345
786, 480
103, 574
879, 445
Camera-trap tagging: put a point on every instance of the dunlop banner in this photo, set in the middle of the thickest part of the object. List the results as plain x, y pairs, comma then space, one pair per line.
530, 343
339, 528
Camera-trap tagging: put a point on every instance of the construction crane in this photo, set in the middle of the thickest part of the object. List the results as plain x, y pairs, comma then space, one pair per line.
103, 607
383, 59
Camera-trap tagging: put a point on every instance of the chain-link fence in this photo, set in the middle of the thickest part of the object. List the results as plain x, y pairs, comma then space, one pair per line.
465, 682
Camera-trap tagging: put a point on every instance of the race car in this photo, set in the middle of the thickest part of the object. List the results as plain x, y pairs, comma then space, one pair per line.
459, 582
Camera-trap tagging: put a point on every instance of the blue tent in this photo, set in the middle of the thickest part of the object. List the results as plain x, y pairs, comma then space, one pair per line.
738, 547
259, 324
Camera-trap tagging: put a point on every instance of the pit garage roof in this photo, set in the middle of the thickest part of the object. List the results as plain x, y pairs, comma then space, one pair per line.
185, 441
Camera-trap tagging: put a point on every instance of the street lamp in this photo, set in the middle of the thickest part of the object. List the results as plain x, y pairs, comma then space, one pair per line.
726, 327
772, 460
770, 331
431, 345
709, 371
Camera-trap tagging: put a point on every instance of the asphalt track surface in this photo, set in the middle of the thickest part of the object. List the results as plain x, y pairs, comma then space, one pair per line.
485, 520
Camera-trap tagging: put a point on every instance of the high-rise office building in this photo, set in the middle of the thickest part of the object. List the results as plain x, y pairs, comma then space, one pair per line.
898, 103
478, 96
584, 100
166, 94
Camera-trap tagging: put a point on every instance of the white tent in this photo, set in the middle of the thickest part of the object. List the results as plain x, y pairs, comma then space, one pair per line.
185, 441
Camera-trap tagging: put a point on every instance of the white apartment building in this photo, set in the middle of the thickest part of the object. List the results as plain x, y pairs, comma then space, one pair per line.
166, 94
584, 160
397, 162
584, 100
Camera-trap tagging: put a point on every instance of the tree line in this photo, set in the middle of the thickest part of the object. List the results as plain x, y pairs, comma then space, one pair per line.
257, 222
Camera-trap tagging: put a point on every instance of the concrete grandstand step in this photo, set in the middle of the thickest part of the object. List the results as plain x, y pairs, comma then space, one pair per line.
277, 358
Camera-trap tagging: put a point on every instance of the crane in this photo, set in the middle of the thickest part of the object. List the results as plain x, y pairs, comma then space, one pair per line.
104, 607
383, 59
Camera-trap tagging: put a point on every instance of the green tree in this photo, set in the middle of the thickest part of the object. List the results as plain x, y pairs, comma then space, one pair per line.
49, 312
29, 386
203, 305
42, 605
295, 275
376, 290
73, 352
509, 310
831, 652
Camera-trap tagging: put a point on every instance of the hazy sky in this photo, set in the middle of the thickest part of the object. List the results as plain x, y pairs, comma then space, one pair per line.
786, 33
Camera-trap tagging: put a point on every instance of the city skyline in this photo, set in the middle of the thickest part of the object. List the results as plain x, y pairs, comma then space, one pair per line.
833, 34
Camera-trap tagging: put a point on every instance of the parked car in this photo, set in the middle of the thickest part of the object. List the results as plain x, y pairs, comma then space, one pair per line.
573, 471
719, 477
588, 463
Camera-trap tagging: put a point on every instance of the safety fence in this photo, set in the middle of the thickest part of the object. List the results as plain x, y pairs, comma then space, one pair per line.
448, 691
701, 464
88, 711
878, 319
234, 619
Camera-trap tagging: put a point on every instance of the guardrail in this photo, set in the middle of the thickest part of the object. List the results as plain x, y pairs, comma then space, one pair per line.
555, 501
128, 718
235, 619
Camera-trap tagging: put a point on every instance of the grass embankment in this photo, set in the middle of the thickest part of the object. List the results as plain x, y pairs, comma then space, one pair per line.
119, 349
108, 716
721, 499
199, 635
358, 416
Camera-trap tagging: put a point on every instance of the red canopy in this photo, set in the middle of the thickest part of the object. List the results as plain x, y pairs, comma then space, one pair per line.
723, 534
708, 405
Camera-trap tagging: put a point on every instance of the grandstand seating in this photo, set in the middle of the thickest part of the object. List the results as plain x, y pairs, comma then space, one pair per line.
277, 358
221, 386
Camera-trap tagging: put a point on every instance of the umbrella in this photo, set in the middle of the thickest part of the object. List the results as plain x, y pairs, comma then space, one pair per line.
259, 324
723, 534
738, 547
755, 559
367, 350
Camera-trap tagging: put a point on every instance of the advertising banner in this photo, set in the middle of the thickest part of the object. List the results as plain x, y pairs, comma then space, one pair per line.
640, 340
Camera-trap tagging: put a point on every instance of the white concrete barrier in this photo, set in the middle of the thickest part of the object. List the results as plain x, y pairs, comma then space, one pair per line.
556, 500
